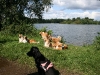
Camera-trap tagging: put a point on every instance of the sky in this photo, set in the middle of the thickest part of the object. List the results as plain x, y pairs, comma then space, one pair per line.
64, 9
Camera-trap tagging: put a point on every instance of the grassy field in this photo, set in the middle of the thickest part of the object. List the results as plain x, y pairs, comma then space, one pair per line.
81, 59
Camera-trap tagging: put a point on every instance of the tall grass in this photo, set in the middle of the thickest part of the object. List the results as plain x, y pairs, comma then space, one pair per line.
80, 59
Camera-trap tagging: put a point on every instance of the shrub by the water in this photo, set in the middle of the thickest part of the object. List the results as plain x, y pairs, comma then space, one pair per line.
97, 42
22, 29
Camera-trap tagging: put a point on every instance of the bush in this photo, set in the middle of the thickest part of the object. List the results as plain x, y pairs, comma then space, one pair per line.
45, 30
25, 29
97, 42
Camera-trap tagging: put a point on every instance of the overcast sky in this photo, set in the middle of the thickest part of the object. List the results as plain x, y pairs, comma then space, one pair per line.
65, 9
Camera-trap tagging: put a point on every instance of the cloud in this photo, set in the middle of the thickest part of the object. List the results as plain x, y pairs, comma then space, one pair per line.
65, 9
78, 4
59, 2
52, 14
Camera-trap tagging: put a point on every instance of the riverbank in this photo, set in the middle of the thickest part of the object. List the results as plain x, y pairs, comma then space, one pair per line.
76, 60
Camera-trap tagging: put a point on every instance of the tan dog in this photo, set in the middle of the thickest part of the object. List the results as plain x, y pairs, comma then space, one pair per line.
46, 38
32, 41
56, 39
61, 46
44, 35
54, 42
47, 43
24, 39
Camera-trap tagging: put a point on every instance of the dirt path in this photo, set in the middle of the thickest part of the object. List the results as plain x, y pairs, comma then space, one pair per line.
12, 68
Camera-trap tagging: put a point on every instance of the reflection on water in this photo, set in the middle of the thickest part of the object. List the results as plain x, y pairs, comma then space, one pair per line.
73, 34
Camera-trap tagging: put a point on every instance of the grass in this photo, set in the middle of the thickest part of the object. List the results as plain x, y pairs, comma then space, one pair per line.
81, 59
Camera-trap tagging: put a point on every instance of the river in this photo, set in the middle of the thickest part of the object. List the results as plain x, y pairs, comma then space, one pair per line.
71, 33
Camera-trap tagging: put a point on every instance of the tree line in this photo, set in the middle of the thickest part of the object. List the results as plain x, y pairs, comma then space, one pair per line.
77, 20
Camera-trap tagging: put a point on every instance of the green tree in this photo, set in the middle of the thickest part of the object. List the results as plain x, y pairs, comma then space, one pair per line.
13, 11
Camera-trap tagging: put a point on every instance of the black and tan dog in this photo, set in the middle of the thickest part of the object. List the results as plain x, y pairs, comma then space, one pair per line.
44, 66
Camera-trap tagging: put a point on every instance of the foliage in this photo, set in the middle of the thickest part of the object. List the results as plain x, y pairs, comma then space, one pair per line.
45, 30
17, 29
50, 20
97, 42
77, 20
13, 11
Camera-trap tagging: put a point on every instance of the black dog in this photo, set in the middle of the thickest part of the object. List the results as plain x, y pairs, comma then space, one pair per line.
44, 65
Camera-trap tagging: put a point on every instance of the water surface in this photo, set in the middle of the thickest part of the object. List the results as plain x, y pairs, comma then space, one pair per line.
73, 34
